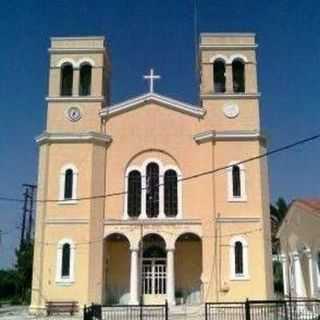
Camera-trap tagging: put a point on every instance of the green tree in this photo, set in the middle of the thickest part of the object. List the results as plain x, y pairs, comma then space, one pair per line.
277, 214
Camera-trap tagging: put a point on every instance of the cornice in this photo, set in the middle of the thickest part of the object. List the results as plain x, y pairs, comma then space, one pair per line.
227, 46
152, 97
231, 135
67, 221
77, 50
93, 137
239, 220
214, 96
75, 99
167, 221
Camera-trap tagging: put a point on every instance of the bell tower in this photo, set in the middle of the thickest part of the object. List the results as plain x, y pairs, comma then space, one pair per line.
228, 81
79, 78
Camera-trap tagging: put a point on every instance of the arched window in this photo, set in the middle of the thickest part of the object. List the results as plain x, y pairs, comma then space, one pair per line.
152, 190
238, 257
65, 264
66, 80
238, 68
134, 194
85, 80
236, 181
170, 193
219, 70
68, 184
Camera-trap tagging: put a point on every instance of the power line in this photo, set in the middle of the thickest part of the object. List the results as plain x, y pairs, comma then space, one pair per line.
191, 177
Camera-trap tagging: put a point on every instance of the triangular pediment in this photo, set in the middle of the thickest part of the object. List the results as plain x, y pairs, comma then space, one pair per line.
148, 98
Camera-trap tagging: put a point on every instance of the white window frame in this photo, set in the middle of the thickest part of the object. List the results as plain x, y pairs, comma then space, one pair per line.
162, 169
243, 196
59, 278
62, 180
233, 274
317, 266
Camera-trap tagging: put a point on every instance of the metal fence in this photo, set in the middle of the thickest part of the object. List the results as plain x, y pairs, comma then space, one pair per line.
264, 310
126, 312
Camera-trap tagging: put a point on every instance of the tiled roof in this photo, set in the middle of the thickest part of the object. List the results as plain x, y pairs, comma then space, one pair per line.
313, 203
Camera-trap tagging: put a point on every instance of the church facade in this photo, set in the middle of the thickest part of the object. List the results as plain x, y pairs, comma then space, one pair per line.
151, 199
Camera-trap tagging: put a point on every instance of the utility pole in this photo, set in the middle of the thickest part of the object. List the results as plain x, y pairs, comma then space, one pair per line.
27, 211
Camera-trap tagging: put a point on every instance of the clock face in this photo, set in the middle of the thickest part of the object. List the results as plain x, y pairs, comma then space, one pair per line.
74, 114
231, 110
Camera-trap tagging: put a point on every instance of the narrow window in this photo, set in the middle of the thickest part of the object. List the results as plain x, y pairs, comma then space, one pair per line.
66, 80
152, 190
68, 184
238, 76
134, 194
318, 262
236, 182
219, 76
238, 258
65, 264
85, 80
170, 193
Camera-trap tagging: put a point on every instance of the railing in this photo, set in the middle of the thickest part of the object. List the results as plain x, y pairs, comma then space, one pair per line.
126, 312
264, 310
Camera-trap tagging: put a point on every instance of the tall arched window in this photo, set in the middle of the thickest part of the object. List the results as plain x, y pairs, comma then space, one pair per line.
238, 68
85, 80
170, 193
238, 257
134, 194
152, 190
236, 181
68, 184
66, 80
65, 263
219, 70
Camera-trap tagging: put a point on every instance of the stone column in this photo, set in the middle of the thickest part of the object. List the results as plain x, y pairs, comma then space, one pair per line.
75, 83
170, 277
298, 277
310, 268
284, 263
229, 78
134, 281
161, 196
143, 214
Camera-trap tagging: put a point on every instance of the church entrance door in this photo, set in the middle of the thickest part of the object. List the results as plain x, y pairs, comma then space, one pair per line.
154, 282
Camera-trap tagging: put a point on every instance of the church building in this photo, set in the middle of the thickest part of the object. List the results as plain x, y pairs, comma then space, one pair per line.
151, 199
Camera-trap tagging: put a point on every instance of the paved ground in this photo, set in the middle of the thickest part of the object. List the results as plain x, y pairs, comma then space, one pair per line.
21, 313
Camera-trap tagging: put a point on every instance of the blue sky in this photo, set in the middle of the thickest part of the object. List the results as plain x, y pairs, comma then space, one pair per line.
159, 34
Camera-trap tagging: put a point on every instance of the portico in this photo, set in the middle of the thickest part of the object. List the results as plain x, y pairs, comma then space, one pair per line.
146, 269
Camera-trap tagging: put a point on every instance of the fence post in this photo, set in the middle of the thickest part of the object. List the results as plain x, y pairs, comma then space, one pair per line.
206, 311
247, 309
166, 311
141, 310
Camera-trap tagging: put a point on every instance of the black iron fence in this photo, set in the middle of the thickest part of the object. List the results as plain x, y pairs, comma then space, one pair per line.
126, 312
264, 310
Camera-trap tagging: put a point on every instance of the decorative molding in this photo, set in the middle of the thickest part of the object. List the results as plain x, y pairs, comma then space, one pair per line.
226, 34
77, 38
239, 220
67, 221
216, 96
231, 135
152, 97
75, 99
93, 137
227, 46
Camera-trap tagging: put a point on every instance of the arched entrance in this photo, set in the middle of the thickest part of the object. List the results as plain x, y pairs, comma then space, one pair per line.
188, 269
116, 269
154, 270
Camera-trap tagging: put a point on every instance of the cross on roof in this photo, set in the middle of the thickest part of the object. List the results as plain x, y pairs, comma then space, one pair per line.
151, 77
